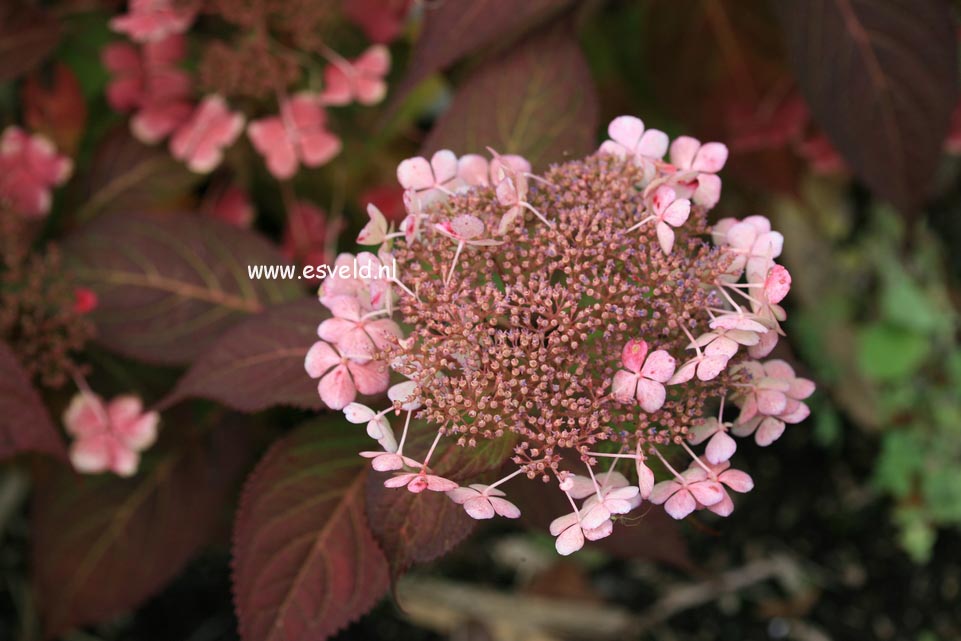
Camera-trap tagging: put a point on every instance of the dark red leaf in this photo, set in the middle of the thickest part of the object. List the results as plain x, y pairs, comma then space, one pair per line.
305, 561
169, 285
27, 36
881, 78
259, 363
25, 424
102, 545
126, 175
454, 29
55, 107
537, 100
414, 528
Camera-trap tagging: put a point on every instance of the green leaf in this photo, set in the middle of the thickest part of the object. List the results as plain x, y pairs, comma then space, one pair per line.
906, 305
900, 461
887, 353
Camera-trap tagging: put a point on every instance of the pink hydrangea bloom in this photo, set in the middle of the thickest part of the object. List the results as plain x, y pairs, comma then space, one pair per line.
29, 167
307, 233
753, 243
429, 180
201, 140
571, 533
381, 20
698, 165
109, 437
151, 20
723, 475
643, 377
299, 135
356, 334
629, 139
720, 445
681, 495
417, 482
389, 461
483, 502
361, 80
616, 496
774, 398
342, 377
669, 211
233, 206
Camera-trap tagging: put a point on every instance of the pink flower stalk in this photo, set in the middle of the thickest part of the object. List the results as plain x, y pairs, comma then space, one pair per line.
361, 80
297, 136
152, 20
108, 437
29, 168
201, 140
541, 330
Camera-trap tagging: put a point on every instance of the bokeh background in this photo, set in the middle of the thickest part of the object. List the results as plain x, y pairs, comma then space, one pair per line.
842, 123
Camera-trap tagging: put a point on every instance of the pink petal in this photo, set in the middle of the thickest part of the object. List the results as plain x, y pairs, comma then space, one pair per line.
624, 385
595, 516
570, 540
479, 508
645, 480
370, 378
708, 191
318, 147
769, 431
357, 413
415, 173
653, 144
663, 491
659, 366
710, 158
626, 130
650, 395
561, 523
439, 483
462, 494
124, 462
505, 508
724, 507
801, 388
703, 431
602, 531
444, 165
336, 389
778, 284
665, 236
683, 151
677, 212
685, 373
90, 455
765, 345
720, 448
771, 402
796, 415
737, 480
400, 480
633, 354
680, 505
320, 358
580, 486
706, 492
85, 415
473, 169
710, 367
333, 330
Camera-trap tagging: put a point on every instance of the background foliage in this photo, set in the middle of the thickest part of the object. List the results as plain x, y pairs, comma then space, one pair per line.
253, 518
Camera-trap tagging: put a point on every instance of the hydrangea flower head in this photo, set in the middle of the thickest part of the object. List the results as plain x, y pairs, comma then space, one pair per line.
109, 436
598, 329
29, 167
